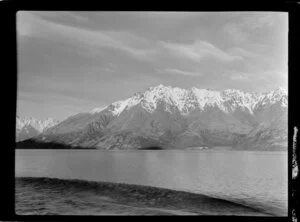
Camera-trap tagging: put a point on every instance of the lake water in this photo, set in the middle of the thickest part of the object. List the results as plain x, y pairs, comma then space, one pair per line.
257, 179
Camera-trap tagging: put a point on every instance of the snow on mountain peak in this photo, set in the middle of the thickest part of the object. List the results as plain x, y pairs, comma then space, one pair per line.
280, 91
119, 106
39, 125
274, 96
187, 100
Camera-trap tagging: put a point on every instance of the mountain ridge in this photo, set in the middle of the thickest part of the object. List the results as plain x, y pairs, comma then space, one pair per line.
172, 117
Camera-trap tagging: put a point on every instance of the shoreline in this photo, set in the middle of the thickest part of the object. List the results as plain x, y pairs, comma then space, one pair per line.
36, 144
160, 150
121, 198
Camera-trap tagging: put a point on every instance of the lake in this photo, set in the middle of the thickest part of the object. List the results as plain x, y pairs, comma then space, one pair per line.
256, 179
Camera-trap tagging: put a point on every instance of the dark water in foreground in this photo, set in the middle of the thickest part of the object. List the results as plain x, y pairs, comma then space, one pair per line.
254, 179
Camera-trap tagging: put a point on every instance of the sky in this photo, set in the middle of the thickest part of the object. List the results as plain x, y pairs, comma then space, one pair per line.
71, 62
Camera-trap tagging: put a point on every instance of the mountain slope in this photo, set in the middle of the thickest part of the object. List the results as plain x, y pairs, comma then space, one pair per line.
26, 132
178, 118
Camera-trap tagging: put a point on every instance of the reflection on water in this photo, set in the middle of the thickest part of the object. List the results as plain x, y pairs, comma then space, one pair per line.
244, 176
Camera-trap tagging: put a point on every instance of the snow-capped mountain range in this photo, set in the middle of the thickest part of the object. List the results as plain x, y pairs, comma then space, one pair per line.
171, 117
188, 100
29, 127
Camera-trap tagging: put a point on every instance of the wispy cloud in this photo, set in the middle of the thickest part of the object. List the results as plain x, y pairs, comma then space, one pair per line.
31, 25
242, 52
258, 53
179, 72
199, 50
72, 16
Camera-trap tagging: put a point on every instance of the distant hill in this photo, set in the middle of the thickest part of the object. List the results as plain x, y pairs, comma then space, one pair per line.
32, 144
30, 127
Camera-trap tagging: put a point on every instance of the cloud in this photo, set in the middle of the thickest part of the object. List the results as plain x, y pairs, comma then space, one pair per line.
179, 72
257, 53
170, 15
242, 52
62, 15
257, 57
239, 76
91, 42
74, 16
32, 25
247, 25
199, 50
236, 75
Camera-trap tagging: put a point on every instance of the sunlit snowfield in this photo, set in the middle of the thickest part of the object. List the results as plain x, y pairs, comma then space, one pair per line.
255, 179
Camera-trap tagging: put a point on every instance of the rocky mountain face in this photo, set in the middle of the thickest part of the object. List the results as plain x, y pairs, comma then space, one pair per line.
29, 127
175, 118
